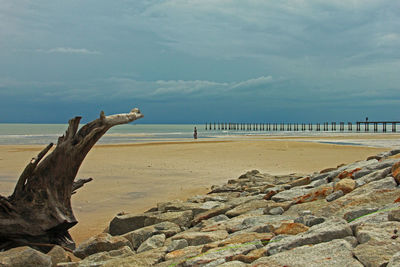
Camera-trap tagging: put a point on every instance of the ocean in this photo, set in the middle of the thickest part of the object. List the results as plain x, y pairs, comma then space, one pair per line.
41, 134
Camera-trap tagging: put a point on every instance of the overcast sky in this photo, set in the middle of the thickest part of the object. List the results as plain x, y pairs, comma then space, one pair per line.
191, 61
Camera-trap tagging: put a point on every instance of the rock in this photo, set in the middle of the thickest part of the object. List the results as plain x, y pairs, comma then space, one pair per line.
251, 256
324, 232
300, 182
58, 254
138, 236
305, 213
24, 256
122, 224
99, 243
210, 213
394, 215
248, 237
179, 205
291, 194
377, 243
234, 263
101, 258
334, 253
335, 195
396, 172
200, 238
352, 241
246, 207
314, 194
276, 211
156, 241
358, 213
394, 261
373, 176
177, 244
144, 259
291, 229
181, 218
224, 253
183, 253
309, 220
345, 185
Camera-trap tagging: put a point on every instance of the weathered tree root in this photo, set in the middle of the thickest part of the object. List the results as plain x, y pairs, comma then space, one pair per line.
39, 210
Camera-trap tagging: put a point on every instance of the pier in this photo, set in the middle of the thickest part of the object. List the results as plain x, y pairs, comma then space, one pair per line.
361, 126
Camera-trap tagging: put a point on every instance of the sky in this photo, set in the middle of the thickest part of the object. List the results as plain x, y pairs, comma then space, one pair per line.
196, 61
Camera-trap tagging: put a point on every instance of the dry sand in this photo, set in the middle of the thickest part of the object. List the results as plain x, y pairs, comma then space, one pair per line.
134, 177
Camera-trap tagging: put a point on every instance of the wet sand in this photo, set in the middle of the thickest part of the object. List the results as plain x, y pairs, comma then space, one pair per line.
134, 177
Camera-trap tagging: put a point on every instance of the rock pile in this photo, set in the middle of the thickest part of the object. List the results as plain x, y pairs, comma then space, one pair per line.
344, 216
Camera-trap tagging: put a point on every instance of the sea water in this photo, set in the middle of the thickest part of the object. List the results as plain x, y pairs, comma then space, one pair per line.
41, 134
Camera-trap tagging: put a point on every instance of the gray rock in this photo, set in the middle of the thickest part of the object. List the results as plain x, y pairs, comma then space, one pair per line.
233, 264
138, 236
58, 254
334, 253
276, 211
378, 243
122, 224
144, 259
305, 213
101, 258
352, 241
394, 215
24, 256
156, 241
181, 218
358, 165
319, 176
200, 238
335, 195
218, 253
394, 261
99, 243
289, 195
319, 182
177, 244
324, 232
219, 218
373, 176
358, 213
246, 207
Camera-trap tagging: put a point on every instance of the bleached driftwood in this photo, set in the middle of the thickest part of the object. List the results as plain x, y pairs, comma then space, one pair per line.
39, 210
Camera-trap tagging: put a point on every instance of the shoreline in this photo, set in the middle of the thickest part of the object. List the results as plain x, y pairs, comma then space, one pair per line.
135, 177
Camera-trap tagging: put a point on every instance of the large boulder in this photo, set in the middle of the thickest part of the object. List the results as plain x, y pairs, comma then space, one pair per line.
156, 241
324, 232
24, 256
246, 207
58, 254
99, 243
334, 253
138, 236
378, 243
345, 185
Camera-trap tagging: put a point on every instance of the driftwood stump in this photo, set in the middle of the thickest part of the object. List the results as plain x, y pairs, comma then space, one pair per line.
39, 211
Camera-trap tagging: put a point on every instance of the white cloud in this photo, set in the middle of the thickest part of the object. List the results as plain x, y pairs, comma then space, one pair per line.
69, 50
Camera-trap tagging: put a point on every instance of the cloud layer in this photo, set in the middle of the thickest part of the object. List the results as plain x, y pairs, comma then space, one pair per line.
341, 57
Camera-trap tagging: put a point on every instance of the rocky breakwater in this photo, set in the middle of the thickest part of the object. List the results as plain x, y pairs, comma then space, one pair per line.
343, 216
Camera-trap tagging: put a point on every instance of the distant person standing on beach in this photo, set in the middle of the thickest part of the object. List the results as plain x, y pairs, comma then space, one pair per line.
195, 133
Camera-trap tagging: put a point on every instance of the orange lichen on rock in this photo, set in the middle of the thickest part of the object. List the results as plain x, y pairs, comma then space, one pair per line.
397, 200
347, 174
396, 172
346, 185
291, 229
316, 194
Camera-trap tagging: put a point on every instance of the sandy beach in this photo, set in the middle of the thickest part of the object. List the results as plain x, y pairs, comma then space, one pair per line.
134, 177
